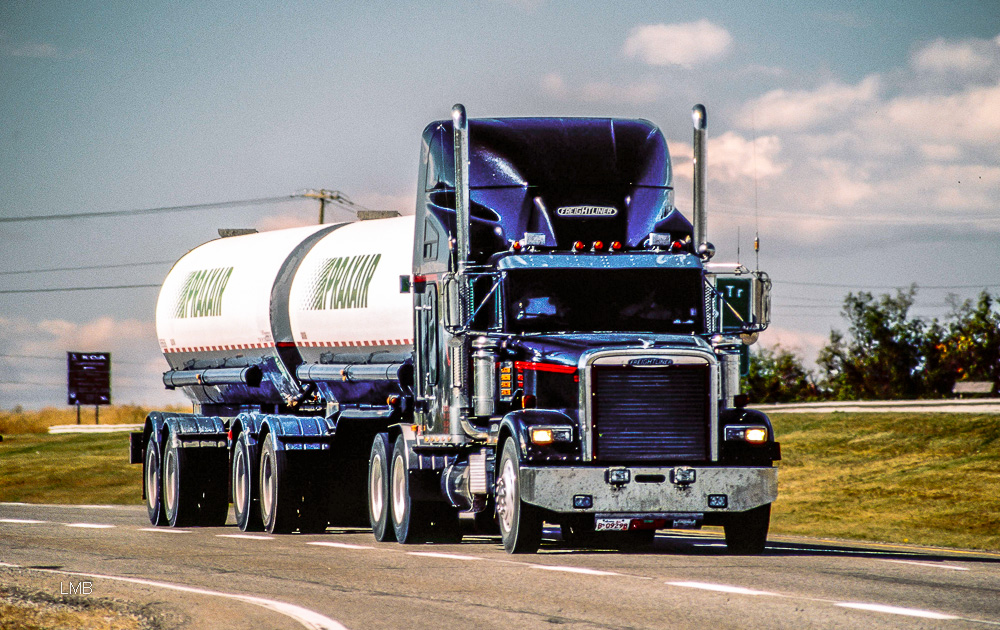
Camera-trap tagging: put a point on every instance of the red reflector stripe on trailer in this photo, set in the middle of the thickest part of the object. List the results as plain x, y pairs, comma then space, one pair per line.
545, 367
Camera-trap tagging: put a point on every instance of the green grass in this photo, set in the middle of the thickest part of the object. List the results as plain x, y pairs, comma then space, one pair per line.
930, 478
68, 468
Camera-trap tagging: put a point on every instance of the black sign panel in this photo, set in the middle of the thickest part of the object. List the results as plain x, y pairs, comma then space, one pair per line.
88, 378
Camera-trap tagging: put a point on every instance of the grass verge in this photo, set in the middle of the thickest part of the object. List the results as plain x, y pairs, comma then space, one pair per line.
68, 468
929, 479
39, 420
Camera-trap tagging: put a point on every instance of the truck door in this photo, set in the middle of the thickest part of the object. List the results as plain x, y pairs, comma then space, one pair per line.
428, 377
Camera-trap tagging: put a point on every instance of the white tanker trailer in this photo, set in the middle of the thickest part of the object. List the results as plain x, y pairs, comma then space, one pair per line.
545, 339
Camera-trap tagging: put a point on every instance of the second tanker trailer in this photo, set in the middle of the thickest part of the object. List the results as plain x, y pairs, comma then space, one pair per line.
545, 339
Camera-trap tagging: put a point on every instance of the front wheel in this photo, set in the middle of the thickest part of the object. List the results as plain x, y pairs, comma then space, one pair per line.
520, 522
746, 532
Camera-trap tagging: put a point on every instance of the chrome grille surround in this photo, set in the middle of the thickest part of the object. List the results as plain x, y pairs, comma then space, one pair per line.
685, 356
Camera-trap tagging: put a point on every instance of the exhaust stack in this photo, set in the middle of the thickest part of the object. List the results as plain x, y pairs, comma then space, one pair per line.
462, 219
700, 118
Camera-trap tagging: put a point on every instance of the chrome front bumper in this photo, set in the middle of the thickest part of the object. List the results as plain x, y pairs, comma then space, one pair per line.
744, 488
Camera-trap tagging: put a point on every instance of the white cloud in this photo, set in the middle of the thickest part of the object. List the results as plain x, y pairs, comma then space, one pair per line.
804, 109
607, 92
684, 44
966, 56
731, 158
971, 115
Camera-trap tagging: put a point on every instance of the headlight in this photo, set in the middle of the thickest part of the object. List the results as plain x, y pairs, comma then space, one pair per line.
548, 435
748, 434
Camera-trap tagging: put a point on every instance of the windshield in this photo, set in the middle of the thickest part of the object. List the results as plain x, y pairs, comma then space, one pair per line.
604, 300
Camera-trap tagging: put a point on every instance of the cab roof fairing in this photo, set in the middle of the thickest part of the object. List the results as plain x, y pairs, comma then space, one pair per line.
523, 169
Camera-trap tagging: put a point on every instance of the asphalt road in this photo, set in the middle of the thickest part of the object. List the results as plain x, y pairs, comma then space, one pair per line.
221, 578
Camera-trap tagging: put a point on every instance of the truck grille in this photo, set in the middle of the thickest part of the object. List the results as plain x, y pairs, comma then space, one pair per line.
650, 413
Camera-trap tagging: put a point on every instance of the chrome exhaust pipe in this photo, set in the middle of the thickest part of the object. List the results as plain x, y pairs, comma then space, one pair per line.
701, 245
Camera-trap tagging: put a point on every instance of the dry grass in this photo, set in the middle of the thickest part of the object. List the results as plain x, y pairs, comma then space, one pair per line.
930, 478
22, 610
38, 421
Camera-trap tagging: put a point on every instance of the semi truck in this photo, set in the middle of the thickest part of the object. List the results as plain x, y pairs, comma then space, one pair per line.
545, 340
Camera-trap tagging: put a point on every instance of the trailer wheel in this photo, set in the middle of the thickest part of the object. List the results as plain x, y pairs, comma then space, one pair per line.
179, 502
520, 522
246, 495
278, 502
212, 487
378, 490
151, 475
746, 532
410, 520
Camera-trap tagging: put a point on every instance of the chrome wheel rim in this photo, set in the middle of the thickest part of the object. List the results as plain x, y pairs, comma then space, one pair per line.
240, 480
170, 480
375, 487
267, 486
506, 495
398, 489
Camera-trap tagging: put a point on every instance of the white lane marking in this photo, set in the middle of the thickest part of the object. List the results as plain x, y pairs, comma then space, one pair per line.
89, 525
950, 567
339, 545
308, 618
165, 530
895, 610
22, 521
546, 567
245, 536
721, 588
7, 564
447, 556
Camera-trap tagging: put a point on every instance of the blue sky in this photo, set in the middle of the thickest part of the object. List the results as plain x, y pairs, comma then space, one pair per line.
867, 132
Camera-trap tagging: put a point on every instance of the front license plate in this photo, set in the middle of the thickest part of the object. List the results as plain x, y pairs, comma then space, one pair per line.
612, 524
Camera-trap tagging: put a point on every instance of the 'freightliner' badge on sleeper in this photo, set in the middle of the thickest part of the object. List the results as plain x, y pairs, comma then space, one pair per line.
587, 211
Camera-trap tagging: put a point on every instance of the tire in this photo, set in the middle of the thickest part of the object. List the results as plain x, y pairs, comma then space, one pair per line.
410, 520
151, 475
246, 493
278, 500
520, 522
179, 502
212, 494
746, 532
378, 489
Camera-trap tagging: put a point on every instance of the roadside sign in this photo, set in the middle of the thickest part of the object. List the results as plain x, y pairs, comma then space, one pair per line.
88, 378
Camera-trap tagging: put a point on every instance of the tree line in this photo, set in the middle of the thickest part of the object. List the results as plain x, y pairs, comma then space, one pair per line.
887, 354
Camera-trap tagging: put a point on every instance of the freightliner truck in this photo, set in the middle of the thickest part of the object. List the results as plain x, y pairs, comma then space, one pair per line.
545, 340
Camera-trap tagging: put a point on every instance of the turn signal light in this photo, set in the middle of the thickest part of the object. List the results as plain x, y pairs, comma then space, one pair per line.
756, 436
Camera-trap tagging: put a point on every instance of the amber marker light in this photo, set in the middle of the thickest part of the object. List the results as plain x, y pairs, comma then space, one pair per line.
579, 246
616, 246
598, 246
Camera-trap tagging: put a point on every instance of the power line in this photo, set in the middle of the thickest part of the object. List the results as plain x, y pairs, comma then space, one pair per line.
886, 286
60, 289
51, 269
331, 195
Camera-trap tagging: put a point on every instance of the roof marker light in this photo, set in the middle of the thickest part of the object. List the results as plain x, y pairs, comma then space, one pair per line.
579, 246
616, 246
598, 246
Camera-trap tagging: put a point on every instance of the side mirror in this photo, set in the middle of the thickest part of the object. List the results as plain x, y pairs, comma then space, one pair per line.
743, 304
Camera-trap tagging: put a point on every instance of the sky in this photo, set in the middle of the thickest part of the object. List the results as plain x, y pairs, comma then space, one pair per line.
860, 140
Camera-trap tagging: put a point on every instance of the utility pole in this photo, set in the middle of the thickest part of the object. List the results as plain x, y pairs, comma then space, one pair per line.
325, 196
